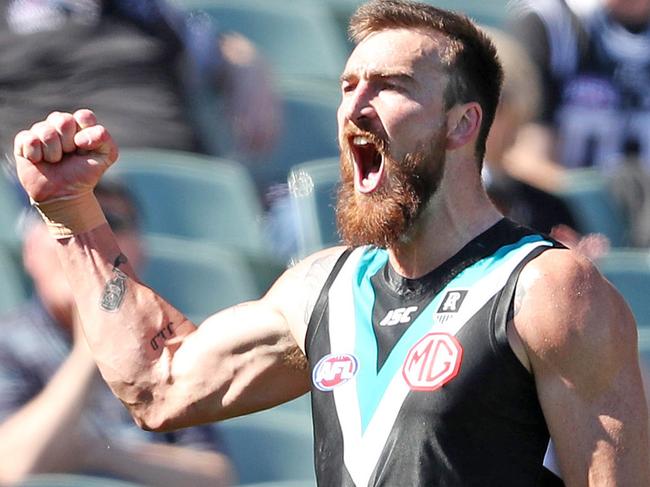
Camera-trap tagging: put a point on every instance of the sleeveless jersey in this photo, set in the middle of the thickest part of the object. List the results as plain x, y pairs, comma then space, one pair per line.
414, 381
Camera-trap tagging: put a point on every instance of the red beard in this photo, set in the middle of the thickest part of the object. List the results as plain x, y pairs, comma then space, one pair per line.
382, 217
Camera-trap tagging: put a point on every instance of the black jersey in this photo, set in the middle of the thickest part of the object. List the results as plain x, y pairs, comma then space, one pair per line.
414, 382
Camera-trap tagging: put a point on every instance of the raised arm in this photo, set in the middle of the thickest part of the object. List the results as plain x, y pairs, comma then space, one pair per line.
166, 370
579, 339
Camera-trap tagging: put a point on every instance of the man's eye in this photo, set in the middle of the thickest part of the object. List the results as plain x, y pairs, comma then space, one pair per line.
347, 87
389, 85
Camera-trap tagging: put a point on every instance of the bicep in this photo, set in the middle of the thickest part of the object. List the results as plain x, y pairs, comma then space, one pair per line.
581, 340
598, 436
240, 360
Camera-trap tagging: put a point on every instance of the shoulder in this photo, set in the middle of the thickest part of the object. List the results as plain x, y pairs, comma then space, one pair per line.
568, 316
296, 291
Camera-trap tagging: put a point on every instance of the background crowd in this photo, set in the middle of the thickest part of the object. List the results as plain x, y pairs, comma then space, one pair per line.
212, 98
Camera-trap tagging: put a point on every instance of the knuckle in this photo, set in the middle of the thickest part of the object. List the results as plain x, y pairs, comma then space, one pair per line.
63, 122
22, 137
32, 141
102, 132
85, 116
48, 134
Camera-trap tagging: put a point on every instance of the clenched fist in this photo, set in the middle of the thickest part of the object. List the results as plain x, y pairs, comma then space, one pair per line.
63, 156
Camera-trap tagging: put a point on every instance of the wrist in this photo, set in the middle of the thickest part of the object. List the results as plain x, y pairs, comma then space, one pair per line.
70, 215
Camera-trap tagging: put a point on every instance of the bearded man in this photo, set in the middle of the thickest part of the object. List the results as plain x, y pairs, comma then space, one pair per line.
444, 345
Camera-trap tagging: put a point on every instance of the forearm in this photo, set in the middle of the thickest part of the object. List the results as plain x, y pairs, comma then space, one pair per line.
45, 434
163, 465
131, 331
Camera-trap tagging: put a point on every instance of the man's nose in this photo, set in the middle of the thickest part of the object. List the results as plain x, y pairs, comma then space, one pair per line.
357, 106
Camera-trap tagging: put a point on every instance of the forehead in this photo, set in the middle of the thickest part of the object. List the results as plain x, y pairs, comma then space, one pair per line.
398, 51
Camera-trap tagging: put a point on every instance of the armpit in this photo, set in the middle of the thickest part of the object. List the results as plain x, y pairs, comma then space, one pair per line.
295, 358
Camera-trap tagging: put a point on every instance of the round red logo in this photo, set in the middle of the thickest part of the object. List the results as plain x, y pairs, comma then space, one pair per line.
333, 370
432, 362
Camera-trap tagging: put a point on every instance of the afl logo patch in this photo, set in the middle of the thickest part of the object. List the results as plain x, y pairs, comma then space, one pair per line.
432, 362
334, 370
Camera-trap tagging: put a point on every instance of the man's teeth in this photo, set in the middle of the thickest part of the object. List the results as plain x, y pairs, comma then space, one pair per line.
360, 140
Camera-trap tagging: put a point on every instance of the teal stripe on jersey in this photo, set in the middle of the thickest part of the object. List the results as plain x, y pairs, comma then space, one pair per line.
364, 299
371, 384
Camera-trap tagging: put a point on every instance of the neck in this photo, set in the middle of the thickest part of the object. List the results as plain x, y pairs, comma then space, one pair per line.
458, 212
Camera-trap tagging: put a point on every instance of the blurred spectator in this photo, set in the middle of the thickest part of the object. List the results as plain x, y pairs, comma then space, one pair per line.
56, 414
129, 60
595, 63
595, 66
523, 202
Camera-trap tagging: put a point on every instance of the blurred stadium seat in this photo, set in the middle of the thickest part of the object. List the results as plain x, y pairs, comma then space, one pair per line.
15, 283
300, 38
196, 197
197, 278
309, 132
629, 271
313, 187
72, 480
587, 195
271, 446
10, 210
488, 12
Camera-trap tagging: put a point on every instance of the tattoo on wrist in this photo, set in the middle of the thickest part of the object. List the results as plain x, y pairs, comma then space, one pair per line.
164, 334
115, 288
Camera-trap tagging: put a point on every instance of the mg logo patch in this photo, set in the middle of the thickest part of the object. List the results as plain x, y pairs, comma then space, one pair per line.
432, 362
334, 370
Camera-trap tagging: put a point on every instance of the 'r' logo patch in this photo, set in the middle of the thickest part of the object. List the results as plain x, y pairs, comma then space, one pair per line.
452, 301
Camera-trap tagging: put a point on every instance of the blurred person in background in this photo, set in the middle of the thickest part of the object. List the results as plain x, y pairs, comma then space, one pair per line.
129, 60
56, 414
523, 202
594, 58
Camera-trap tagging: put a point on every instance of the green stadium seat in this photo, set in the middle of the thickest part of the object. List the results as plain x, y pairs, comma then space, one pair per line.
197, 278
10, 209
275, 445
629, 271
300, 38
313, 188
72, 480
191, 196
487, 12
309, 132
15, 283
587, 195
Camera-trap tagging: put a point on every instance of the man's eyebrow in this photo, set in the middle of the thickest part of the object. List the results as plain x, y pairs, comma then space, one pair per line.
396, 75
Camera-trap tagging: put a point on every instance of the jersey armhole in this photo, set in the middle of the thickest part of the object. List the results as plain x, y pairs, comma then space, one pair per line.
503, 313
321, 303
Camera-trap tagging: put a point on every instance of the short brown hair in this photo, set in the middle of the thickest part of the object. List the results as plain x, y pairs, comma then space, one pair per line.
473, 69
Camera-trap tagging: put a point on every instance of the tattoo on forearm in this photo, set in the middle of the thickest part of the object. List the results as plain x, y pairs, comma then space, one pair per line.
115, 288
164, 334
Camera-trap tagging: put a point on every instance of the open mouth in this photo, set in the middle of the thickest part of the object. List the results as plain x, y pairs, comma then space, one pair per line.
368, 164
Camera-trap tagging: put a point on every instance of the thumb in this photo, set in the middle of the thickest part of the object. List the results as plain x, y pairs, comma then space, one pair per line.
98, 140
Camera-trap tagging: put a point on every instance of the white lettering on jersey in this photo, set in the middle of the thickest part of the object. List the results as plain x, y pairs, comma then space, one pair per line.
397, 316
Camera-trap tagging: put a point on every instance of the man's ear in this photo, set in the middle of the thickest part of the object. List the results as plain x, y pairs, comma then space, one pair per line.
463, 124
